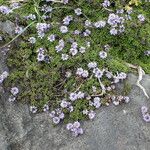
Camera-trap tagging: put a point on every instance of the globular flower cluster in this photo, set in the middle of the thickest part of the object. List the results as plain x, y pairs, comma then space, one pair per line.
31, 16
57, 115
82, 73
117, 23
14, 91
145, 114
42, 57
141, 17
32, 40
116, 100
74, 96
33, 109
42, 28
5, 10
75, 128
106, 3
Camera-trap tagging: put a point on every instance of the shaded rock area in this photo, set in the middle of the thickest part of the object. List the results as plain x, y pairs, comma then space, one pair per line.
114, 128
7, 27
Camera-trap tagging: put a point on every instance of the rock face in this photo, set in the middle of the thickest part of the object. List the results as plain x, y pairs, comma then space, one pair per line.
114, 128
7, 27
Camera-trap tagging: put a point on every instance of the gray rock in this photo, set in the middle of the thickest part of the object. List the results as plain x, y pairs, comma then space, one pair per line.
7, 27
114, 128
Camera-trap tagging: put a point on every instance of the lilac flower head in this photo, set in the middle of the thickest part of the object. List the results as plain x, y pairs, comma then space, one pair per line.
11, 98
113, 19
126, 99
78, 11
146, 117
80, 131
122, 75
32, 40
62, 116
14, 91
113, 31
33, 109
79, 71
67, 19
141, 17
65, 1
40, 57
88, 23
82, 49
85, 74
106, 3
102, 54
69, 126
52, 114
100, 24
56, 120
63, 29
92, 65
45, 108
64, 57
64, 104
80, 95
73, 51
144, 109
5, 10
91, 115
76, 124
51, 38
73, 96
85, 112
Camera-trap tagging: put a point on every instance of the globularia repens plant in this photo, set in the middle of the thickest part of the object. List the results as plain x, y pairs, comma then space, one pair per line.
68, 55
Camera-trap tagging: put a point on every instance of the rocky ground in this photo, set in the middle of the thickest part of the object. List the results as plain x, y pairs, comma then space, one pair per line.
114, 128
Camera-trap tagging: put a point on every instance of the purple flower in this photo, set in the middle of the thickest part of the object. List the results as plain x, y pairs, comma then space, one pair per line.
5, 10
61, 116
113, 31
64, 104
106, 3
73, 96
144, 110
73, 51
102, 54
141, 17
92, 65
64, 57
52, 114
63, 29
146, 117
69, 126
56, 120
33, 109
14, 91
51, 38
45, 108
80, 131
40, 57
67, 19
78, 11
32, 40
100, 24
76, 124
91, 115
11, 98
126, 99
